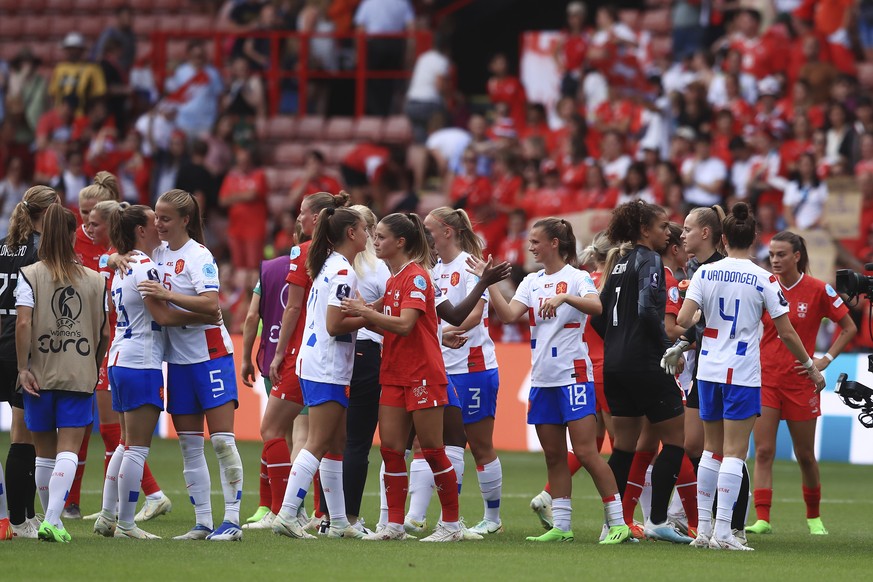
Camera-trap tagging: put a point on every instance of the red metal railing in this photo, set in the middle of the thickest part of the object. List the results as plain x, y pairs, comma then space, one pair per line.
275, 74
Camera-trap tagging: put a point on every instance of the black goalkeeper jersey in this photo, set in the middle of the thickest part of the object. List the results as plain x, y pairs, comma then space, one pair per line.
632, 323
11, 261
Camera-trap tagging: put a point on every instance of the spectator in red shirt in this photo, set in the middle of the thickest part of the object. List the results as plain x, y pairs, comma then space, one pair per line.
553, 198
244, 194
469, 190
507, 182
756, 58
512, 249
536, 123
864, 167
314, 179
571, 50
507, 89
800, 142
365, 171
597, 194
725, 130
56, 124
613, 159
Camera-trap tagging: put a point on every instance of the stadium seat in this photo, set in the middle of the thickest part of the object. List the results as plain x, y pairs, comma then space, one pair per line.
272, 177
281, 128
91, 26
176, 50
310, 127
657, 21
198, 22
144, 24
166, 6
11, 27
339, 128
325, 147
340, 151
87, 6
59, 6
36, 27
276, 203
288, 155
865, 75
397, 129
143, 49
286, 178
368, 129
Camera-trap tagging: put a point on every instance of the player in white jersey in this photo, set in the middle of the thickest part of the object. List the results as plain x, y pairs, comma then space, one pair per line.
324, 366
472, 367
201, 379
732, 294
135, 360
557, 301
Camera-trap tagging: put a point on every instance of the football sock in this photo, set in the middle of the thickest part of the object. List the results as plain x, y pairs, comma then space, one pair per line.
383, 500
20, 481
491, 485
149, 484
456, 457
59, 486
646, 495
635, 481
110, 482
707, 481
444, 478
4, 508
196, 474
763, 502
664, 474
277, 464
42, 475
620, 463
111, 435
573, 463
561, 511
76, 489
741, 509
612, 510
730, 478
301, 477
130, 478
331, 469
264, 491
231, 468
316, 495
686, 491
396, 483
421, 486
812, 498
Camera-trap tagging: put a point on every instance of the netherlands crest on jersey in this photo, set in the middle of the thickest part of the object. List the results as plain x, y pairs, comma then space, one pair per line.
456, 278
802, 309
180, 266
561, 288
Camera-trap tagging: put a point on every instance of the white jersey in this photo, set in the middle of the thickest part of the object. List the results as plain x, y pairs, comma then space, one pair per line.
560, 356
138, 341
324, 358
455, 283
371, 286
733, 294
191, 270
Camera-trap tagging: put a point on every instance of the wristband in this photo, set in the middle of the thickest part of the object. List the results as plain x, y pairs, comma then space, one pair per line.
808, 364
829, 357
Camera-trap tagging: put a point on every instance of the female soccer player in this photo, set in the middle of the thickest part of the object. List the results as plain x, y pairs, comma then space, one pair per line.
324, 365
61, 335
634, 299
733, 295
558, 299
471, 368
784, 395
201, 380
18, 250
135, 363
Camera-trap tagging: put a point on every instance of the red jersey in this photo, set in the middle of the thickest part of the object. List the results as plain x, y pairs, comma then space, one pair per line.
416, 359
810, 301
594, 341
368, 159
601, 198
95, 257
512, 250
510, 91
505, 190
791, 151
298, 276
476, 190
754, 54
674, 299
321, 183
246, 220
573, 176
550, 202
863, 167
575, 49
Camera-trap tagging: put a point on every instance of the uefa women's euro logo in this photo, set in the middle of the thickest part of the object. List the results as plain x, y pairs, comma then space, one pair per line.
66, 306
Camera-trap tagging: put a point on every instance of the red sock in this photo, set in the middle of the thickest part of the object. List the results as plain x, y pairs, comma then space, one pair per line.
278, 460
111, 435
397, 483
636, 478
265, 497
445, 480
76, 488
812, 498
316, 493
763, 501
686, 488
573, 463
149, 484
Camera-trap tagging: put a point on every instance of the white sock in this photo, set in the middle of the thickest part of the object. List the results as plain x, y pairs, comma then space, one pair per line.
110, 482
42, 474
421, 486
612, 510
383, 499
156, 496
561, 513
302, 471
129, 483
230, 464
331, 471
456, 456
491, 485
59, 486
196, 473
707, 480
4, 510
730, 477
646, 495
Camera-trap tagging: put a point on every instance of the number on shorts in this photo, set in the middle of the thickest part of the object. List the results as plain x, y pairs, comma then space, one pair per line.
475, 400
615, 308
217, 392
578, 395
728, 317
5, 278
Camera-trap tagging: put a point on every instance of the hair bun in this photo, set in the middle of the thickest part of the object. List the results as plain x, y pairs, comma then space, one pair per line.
740, 211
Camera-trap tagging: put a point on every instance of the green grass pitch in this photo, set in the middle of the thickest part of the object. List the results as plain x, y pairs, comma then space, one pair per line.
790, 553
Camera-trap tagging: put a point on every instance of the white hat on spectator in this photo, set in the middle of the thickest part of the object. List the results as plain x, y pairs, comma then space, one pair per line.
769, 86
73, 40
686, 132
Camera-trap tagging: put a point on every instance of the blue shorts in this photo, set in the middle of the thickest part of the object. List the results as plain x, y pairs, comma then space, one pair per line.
315, 393
477, 392
193, 388
454, 398
133, 388
728, 401
561, 404
55, 409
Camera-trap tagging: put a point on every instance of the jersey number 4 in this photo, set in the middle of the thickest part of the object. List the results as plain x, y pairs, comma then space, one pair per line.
728, 317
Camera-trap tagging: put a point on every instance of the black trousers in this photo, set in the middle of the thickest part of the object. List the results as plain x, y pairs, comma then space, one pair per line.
383, 54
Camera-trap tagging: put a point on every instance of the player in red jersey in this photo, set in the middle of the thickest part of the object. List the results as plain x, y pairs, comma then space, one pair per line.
785, 395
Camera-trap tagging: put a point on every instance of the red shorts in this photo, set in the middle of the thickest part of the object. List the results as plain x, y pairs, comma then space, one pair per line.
288, 387
414, 397
602, 404
246, 253
794, 404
